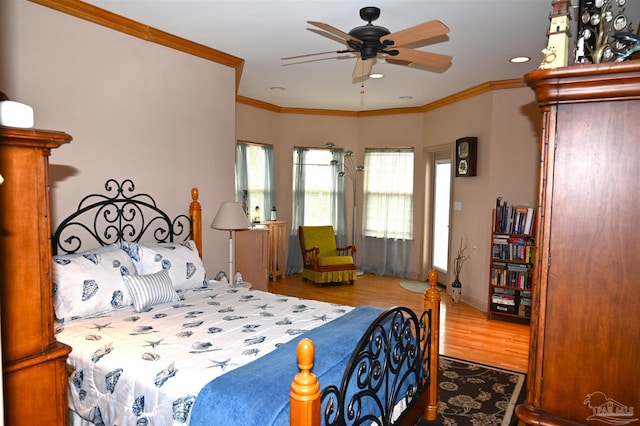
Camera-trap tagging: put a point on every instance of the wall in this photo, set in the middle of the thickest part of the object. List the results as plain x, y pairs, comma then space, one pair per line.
502, 120
135, 110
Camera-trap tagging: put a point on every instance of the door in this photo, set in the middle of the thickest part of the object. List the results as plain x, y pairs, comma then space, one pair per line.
438, 210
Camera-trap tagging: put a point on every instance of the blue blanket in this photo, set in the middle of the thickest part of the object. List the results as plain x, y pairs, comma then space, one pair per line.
229, 400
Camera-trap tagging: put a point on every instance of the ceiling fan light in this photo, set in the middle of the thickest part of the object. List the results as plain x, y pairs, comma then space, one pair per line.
376, 75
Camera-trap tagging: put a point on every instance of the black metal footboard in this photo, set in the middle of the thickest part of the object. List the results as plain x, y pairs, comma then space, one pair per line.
387, 374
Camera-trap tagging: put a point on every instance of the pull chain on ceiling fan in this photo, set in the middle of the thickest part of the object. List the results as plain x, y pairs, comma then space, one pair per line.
369, 42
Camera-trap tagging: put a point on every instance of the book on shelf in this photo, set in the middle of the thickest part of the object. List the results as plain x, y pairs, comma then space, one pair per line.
504, 296
511, 219
528, 223
505, 247
502, 300
519, 219
516, 275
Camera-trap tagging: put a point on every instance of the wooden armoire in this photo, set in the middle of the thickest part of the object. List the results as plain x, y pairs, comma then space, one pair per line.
33, 362
585, 324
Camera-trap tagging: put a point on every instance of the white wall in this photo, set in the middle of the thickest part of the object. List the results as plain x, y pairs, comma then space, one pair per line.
135, 110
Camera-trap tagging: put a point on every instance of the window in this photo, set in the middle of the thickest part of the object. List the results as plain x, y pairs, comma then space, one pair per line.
255, 185
318, 197
388, 194
319, 186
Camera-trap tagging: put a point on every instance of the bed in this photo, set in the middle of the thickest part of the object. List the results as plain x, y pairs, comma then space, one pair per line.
155, 341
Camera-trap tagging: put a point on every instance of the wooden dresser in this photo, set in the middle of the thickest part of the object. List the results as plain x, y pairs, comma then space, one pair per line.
252, 256
585, 324
278, 236
34, 363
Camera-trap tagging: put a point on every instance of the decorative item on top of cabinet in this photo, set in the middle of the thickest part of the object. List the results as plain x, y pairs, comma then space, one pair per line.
605, 31
466, 156
512, 257
33, 362
556, 54
585, 332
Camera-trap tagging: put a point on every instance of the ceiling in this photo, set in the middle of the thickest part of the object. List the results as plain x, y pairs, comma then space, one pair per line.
483, 36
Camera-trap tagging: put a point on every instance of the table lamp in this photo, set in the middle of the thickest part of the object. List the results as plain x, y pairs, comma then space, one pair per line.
231, 217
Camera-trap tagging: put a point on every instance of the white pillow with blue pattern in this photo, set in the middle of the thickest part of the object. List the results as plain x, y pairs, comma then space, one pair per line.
181, 259
90, 282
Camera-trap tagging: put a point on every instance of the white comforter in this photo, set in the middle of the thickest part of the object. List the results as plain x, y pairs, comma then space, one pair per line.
147, 368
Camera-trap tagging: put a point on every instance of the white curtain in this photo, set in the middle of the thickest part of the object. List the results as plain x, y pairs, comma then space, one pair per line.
316, 201
269, 181
294, 255
242, 176
387, 218
262, 178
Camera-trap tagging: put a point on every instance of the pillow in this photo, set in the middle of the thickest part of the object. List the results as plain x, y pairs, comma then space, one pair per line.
181, 259
149, 290
90, 282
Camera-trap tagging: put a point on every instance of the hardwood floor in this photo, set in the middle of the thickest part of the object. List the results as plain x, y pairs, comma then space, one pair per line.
465, 332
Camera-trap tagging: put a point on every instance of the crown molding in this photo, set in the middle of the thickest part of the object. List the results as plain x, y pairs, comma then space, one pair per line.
452, 99
133, 28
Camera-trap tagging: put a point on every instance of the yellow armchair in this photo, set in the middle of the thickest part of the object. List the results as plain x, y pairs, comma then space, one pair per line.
324, 262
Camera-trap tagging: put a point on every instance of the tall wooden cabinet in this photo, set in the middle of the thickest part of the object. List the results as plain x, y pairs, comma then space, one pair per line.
33, 362
585, 322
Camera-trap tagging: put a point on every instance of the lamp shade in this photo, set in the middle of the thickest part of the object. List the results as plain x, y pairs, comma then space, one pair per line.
230, 216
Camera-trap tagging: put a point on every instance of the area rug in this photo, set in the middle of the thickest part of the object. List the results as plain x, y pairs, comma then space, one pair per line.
475, 394
415, 286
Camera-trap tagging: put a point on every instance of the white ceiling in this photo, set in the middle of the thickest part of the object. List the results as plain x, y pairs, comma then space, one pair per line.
484, 35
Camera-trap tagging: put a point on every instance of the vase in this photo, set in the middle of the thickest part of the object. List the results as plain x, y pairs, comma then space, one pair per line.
456, 290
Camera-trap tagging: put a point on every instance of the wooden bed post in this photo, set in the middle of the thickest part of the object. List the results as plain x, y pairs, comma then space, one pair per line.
305, 389
432, 301
195, 213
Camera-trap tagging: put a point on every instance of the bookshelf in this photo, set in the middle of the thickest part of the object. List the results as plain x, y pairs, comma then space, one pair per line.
512, 257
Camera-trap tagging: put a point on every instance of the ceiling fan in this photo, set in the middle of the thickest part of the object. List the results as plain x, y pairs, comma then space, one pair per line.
369, 42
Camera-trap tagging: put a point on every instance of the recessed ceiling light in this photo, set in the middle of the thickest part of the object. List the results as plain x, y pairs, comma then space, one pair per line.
405, 97
277, 88
520, 59
376, 75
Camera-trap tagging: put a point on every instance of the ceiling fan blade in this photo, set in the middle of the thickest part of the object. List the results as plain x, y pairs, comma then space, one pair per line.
417, 33
362, 69
310, 54
397, 62
425, 58
328, 28
329, 36
318, 60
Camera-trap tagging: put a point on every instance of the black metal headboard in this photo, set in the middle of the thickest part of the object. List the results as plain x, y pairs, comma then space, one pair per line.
113, 217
